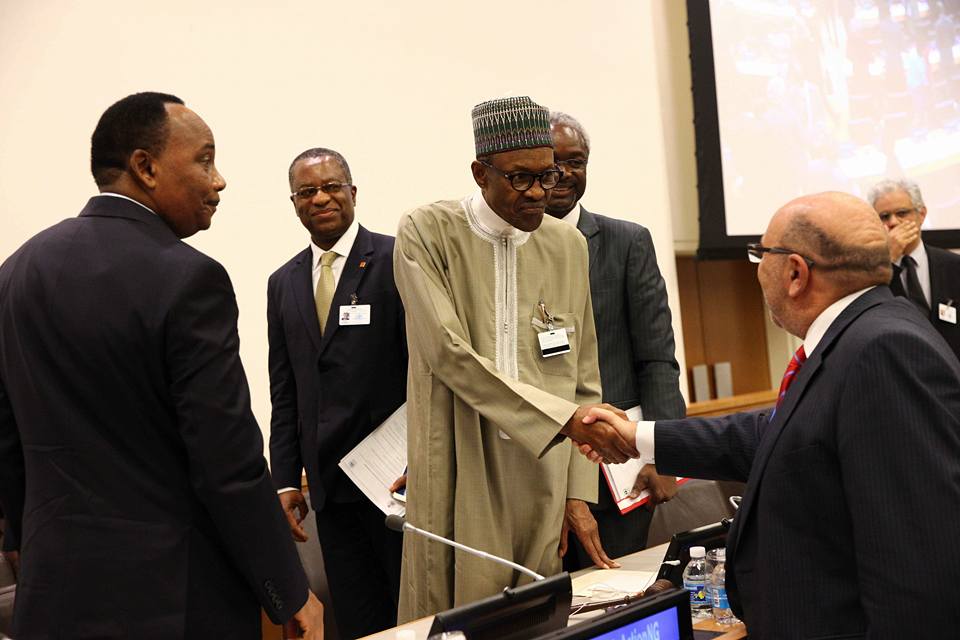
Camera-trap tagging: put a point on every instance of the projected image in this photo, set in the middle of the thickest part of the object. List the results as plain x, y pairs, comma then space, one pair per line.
836, 94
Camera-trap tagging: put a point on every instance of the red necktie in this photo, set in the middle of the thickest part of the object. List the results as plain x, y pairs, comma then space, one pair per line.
791, 373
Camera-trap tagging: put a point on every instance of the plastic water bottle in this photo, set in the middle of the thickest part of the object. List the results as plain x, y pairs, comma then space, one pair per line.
695, 582
711, 560
721, 606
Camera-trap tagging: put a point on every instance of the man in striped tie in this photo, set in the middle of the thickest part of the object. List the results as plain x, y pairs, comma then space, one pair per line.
852, 478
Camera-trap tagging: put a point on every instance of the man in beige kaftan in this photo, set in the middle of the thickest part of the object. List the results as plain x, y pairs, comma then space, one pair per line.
480, 278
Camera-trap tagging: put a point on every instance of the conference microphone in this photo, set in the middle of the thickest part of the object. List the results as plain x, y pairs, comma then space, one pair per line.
400, 524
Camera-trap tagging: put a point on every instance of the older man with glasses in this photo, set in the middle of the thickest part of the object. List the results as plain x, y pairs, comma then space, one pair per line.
638, 367
927, 275
852, 478
503, 365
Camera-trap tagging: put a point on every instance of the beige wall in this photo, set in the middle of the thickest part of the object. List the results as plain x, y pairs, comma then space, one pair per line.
389, 84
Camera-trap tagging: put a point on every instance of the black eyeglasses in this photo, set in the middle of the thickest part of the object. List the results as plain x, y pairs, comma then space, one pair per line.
755, 251
330, 188
523, 180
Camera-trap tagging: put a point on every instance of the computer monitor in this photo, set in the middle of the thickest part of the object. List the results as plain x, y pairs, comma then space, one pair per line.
665, 616
710, 536
524, 612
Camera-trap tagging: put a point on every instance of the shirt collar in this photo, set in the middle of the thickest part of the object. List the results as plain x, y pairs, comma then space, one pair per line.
818, 328
919, 255
573, 217
343, 245
488, 218
117, 195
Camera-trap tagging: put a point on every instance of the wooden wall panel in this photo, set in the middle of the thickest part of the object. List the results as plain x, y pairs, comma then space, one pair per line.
722, 312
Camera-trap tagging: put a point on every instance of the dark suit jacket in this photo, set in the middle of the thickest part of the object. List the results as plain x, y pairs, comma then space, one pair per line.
634, 334
849, 521
944, 288
329, 393
131, 466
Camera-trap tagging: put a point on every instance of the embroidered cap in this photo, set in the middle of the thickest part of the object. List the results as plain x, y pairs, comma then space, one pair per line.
506, 124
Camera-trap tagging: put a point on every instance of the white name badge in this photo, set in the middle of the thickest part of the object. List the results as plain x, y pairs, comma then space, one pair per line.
947, 313
554, 343
351, 314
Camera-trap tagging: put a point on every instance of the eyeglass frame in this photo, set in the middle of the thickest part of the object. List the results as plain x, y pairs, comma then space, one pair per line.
755, 251
329, 188
535, 178
566, 163
899, 213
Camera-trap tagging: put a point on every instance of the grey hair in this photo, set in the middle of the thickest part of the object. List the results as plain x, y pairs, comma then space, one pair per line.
320, 152
562, 119
887, 186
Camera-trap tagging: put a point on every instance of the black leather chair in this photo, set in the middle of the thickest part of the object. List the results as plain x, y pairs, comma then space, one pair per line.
698, 502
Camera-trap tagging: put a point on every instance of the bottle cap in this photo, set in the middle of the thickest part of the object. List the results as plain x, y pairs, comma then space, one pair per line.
722, 554
697, 552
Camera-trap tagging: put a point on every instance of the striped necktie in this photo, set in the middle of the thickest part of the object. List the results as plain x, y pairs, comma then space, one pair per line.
790, 375
325, 288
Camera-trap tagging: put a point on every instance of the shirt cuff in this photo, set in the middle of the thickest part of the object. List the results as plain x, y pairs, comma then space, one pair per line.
286, 489
645, 441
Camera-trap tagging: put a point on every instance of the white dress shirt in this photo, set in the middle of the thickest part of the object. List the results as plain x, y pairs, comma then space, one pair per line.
342, 247
818, 329
923, 270
573, 216
117, 195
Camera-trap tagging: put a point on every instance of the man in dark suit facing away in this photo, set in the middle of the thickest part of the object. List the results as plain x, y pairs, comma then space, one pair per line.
131, 467
849, 518
333, 380
927, 275
635, 342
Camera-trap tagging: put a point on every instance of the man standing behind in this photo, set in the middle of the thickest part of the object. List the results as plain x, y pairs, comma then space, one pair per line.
852, 478
131, 467
635, 338
503, 356
333, 379
928, 276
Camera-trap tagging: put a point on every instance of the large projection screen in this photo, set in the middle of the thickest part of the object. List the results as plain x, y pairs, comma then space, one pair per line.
801, 96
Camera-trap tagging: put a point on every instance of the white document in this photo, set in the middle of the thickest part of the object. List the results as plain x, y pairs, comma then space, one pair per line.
611, 583
620, 477
380, 459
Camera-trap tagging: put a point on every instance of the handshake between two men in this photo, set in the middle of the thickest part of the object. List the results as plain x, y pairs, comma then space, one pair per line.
603, 433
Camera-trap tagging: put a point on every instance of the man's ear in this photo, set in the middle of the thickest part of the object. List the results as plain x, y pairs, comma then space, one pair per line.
143, 169
799, 275
479, 173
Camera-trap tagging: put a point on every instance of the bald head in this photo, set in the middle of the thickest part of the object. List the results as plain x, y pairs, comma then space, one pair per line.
841, 234
846, 243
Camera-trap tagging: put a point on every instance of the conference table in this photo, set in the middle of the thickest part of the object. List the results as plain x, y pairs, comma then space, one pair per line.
646, 560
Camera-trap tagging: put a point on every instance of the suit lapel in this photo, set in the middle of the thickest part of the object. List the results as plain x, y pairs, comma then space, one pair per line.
353, 271
591, 230
936, 295
773, 429
302, 280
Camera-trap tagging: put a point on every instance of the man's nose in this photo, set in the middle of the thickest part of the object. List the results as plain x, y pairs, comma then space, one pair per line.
219, 182
536, 191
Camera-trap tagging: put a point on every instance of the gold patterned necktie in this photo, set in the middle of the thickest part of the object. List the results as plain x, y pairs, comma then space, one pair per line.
325, 288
